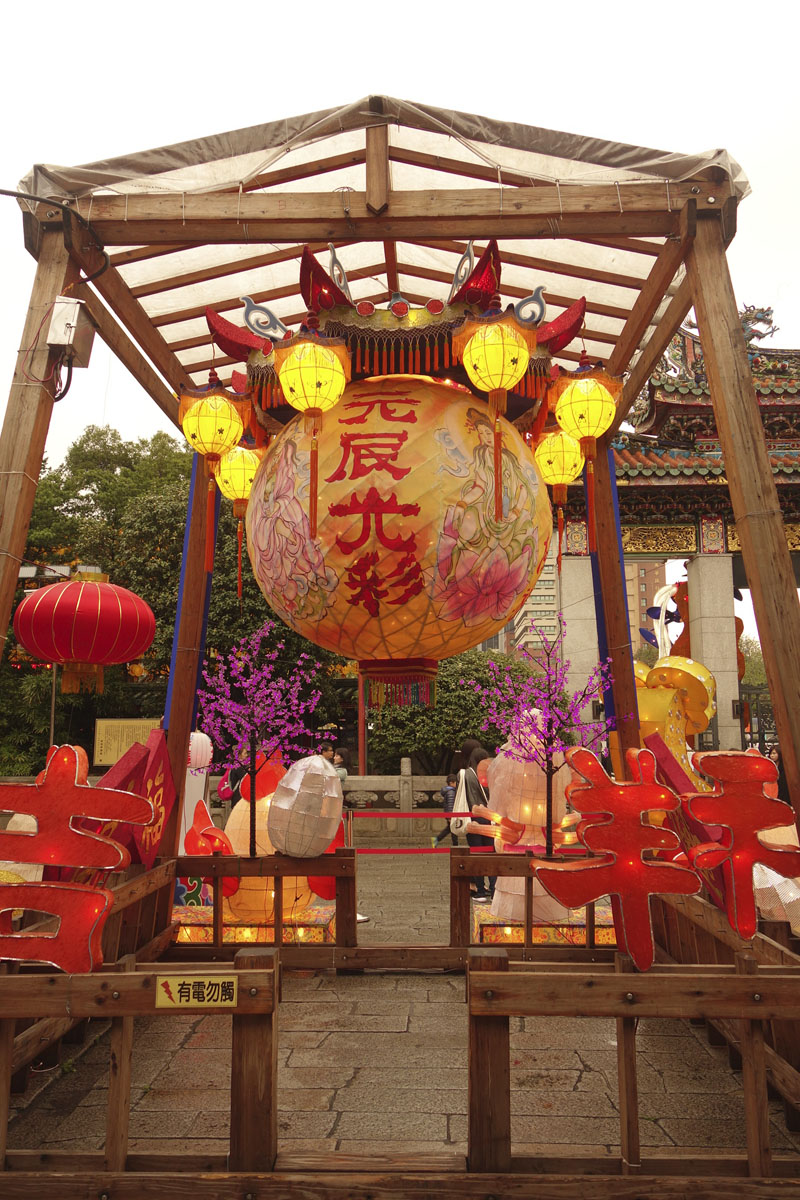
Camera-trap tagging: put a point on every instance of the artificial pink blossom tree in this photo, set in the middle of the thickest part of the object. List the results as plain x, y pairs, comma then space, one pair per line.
539, 716
247, 707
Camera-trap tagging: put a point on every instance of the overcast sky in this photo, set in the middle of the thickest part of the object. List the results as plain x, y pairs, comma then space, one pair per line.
110, 79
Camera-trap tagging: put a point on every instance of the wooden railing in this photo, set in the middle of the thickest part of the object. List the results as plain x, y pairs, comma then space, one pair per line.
130, 930
743, 992
121, 996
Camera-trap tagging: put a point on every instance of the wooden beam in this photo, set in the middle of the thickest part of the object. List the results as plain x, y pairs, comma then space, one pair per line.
570, 210
128, 353
392, 280
505, 290
226, 304
754, 497
126, 307
613, 587
669, 260
220, 270
27, 418
378, 185
651, 354
142, 253
573, 270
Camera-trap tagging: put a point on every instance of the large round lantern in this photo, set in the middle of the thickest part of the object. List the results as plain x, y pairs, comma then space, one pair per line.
84, 625
410, 564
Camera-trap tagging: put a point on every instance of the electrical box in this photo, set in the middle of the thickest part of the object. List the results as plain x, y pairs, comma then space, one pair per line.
71, 330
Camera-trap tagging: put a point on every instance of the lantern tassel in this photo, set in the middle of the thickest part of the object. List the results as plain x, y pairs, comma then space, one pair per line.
313, 484
498, 471
239, 530
560, 537
210, 530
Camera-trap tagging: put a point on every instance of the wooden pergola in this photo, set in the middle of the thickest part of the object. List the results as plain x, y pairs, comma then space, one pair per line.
399, 189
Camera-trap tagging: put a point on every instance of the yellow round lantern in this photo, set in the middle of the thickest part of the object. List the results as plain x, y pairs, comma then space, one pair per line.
410, 564
496, 357
585, 409
212, 426
313, 377
237, 470
585, 404
560, 461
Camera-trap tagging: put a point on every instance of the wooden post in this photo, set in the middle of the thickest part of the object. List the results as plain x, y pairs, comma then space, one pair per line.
27, 418
459, 897
187, 658
628, 1084
527, 936
377, 190
119, 1084
218, 916
615, 609
754, 1079
362, 725
346, 927
7, 1027
489, 1103
754, 497
254, 1077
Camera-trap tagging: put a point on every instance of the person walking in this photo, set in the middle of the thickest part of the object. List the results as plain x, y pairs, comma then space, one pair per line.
448, 794
478, 793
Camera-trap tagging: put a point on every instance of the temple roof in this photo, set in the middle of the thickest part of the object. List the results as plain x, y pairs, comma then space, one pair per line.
658, 465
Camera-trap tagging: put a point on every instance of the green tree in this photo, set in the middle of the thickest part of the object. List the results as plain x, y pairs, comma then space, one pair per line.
754, 670
432, 734
646, 654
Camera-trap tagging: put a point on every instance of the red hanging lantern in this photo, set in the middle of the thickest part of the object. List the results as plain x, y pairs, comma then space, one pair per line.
84, 625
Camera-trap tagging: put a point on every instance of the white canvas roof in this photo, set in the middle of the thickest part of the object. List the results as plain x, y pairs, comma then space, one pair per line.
429, 149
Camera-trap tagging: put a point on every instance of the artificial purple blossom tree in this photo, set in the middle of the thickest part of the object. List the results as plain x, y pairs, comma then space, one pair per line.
539, 716
247, 707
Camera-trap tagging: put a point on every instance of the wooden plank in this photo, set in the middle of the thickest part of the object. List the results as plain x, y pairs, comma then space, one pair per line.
754, 1081
7, 1069
31, 1042
264, 865
652, 351
392, 275
547, 993
377, 185
27, 419
489, 1104
142, 885
128, 354
565, 211
654, 290
254, 1074
112, 287
751, 484
628, 1084
111, 994
319, 1162
119, 1086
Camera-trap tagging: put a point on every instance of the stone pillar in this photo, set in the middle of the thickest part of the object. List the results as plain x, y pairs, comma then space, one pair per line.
577, 604
713, 635
405, 829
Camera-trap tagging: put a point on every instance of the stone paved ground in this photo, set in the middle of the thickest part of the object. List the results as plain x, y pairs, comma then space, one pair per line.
380, 1062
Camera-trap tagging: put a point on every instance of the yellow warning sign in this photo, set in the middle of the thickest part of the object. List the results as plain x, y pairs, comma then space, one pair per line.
196, 991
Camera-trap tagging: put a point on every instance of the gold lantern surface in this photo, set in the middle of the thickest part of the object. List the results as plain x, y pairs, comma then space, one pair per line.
410, 564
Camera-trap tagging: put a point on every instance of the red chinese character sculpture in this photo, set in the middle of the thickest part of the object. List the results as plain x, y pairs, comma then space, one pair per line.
54, 800
741, 806
613, 826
